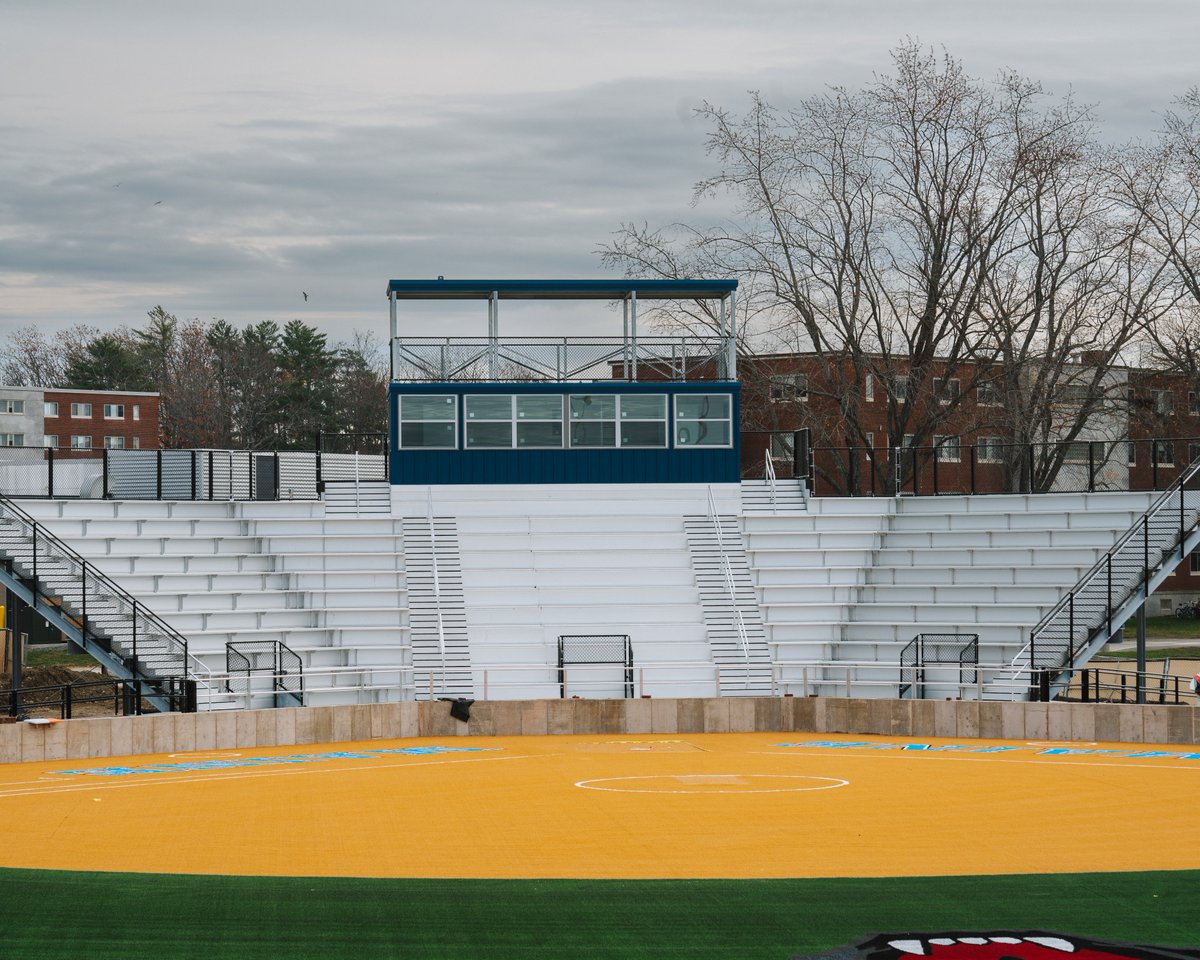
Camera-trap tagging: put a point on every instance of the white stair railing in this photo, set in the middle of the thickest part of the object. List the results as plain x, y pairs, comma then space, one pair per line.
769, 474
437, 590
730, 583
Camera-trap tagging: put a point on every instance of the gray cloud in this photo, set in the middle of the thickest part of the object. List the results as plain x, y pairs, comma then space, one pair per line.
313, 148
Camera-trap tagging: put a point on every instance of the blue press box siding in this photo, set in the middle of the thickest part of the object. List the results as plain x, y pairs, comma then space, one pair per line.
668, 465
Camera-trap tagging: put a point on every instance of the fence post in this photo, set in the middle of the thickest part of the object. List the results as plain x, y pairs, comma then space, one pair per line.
276, 474
158, 474
104, 474
1154, 464
1029, 489
210, 475
50, 472
320, 485
936, 459
974, 457
193, 474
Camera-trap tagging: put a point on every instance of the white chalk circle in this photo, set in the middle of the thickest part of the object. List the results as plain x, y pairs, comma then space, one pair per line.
709, 783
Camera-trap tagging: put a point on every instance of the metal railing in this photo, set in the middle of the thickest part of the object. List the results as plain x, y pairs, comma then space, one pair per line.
1099, 603
90, 607
272, 660
558, 359
730, 582
1079, 466
926, 650
126, 697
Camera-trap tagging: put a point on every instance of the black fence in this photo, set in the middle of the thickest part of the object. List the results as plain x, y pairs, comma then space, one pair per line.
938, 650
1114, 685
281, 665
948, 467
595, 650
125, 697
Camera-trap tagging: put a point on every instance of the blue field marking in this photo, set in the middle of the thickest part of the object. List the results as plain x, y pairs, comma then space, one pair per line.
1135, 754
204, 765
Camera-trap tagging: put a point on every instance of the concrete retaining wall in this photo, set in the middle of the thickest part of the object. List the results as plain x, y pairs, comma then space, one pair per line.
181, 733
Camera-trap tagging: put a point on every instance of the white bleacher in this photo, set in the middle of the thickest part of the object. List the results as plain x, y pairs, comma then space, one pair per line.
840, 582
854, 580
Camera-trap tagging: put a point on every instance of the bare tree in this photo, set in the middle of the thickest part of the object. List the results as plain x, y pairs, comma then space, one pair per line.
28, 359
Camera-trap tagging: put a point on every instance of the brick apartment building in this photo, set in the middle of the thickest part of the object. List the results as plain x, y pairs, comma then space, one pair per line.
78, 419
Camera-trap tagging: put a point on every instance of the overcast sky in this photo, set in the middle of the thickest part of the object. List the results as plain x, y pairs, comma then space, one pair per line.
219, 158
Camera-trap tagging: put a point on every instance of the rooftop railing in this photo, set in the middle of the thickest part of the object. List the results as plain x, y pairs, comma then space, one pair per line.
559, 359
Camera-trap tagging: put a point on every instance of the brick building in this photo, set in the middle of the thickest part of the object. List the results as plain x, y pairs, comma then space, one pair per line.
78, 419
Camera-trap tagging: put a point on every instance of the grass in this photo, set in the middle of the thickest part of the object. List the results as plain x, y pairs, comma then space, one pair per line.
41, 657
52, 914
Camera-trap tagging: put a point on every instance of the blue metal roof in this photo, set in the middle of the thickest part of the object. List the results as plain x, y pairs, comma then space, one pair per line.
561, 289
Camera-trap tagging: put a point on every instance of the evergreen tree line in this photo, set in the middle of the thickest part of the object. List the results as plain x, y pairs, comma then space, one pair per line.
261, 387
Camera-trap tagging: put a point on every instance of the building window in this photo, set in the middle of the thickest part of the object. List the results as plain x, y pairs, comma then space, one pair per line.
428, 421
1131, 453
506, 421
1078, 451
1163, 401
81, 442
51, 408
114, 411
704, 420
793, 387
945, 390
1195, 565
114, 443
987, 394
1194, 403
81, 411
137, 443
869, 387
1193, 452
137, 411
593, 420
947, 448
12, 406
12, 439
643, 420
1164, 452
902, 388
988, 450
1074, 393
50, 440
907, 442
870, 444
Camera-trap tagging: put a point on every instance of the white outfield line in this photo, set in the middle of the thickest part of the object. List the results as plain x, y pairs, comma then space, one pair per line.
76, 785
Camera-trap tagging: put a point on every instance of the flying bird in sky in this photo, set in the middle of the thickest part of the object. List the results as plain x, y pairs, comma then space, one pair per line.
305, 295
156, 203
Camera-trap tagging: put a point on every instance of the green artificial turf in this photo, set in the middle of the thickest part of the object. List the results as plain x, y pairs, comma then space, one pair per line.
53, 914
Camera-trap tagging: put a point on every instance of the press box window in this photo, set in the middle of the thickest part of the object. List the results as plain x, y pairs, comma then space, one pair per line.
643, 419
428, 422
627, 420
505, 421
704, 420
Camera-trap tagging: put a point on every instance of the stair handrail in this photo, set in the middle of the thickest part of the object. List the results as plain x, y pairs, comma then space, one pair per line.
39, 530
769, 474
730, 584
437, 591
1104, 564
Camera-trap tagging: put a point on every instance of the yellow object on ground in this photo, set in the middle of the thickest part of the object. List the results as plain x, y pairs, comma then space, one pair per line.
697, 805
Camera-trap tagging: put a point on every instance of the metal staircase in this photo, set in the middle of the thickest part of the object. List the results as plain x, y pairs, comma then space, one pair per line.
96, 613
1111, 592
732, 618
441, 657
